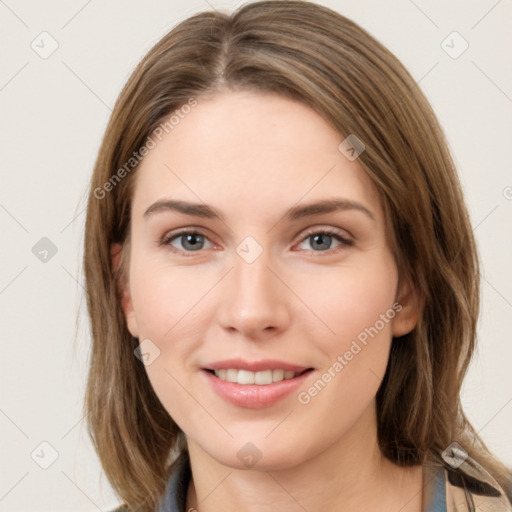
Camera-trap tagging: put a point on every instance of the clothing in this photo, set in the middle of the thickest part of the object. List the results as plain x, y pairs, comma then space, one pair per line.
467, 488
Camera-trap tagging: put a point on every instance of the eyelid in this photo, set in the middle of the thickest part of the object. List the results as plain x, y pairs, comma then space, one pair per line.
337, 233
329, 230
345, 241
169, 237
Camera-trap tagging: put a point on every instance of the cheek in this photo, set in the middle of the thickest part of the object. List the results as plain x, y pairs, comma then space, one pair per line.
164, 298
169, 305
358, 307
350, 301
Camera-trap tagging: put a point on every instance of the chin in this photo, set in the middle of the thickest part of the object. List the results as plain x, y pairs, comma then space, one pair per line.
259, 456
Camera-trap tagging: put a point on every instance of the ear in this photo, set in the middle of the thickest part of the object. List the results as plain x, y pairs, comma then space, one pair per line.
411, 306
123, 291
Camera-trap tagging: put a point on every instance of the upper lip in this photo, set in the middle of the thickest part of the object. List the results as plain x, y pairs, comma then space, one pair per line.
255, 366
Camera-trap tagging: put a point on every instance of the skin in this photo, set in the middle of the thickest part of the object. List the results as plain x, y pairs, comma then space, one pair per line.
252, 156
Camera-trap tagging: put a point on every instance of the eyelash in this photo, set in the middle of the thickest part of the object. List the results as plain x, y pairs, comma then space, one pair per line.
166, 240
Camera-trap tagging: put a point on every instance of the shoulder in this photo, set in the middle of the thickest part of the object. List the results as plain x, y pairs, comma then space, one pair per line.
471, 485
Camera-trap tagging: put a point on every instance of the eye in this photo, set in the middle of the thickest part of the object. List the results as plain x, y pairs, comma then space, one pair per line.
186, 242
322, 239
190, 241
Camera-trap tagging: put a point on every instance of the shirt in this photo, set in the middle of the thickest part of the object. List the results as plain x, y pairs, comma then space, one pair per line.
465, 488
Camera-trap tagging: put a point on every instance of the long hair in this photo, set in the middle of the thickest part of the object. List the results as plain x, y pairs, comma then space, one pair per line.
312, 54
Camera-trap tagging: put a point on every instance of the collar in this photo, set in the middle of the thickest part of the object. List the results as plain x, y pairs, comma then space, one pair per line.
174, 498
469, 486
457, 486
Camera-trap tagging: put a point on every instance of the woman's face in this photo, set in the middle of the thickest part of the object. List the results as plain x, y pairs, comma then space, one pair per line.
300, 300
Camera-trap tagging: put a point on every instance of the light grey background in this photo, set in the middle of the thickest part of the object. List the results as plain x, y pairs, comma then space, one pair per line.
53, 114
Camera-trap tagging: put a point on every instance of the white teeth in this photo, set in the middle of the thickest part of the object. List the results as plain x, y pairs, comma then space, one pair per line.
231, 375
247, 377
277, 375
263, 377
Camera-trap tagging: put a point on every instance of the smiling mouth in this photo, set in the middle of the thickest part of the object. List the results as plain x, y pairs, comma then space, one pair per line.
262, 378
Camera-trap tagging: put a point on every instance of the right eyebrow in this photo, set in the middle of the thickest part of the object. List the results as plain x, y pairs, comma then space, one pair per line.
185, 207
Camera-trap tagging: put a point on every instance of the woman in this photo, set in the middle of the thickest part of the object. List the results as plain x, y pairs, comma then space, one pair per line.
282, 279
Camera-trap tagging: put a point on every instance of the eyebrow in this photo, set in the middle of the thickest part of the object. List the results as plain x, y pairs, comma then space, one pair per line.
294, 213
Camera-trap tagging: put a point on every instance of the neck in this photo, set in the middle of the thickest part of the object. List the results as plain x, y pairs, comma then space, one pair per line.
351, 475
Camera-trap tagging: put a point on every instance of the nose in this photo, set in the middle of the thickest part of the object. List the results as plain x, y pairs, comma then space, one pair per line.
255, 300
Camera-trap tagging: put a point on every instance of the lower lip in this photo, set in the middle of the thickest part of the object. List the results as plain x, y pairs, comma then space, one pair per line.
254, 396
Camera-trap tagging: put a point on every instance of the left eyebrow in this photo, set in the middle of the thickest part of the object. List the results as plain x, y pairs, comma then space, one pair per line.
326, 206
294, 213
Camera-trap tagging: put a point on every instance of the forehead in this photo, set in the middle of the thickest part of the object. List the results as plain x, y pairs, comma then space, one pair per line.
250, 152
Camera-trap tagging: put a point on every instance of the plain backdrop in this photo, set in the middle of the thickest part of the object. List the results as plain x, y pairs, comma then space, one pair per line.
53, 114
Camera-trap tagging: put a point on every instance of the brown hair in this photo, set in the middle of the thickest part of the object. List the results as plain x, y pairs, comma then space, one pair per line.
312, 54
